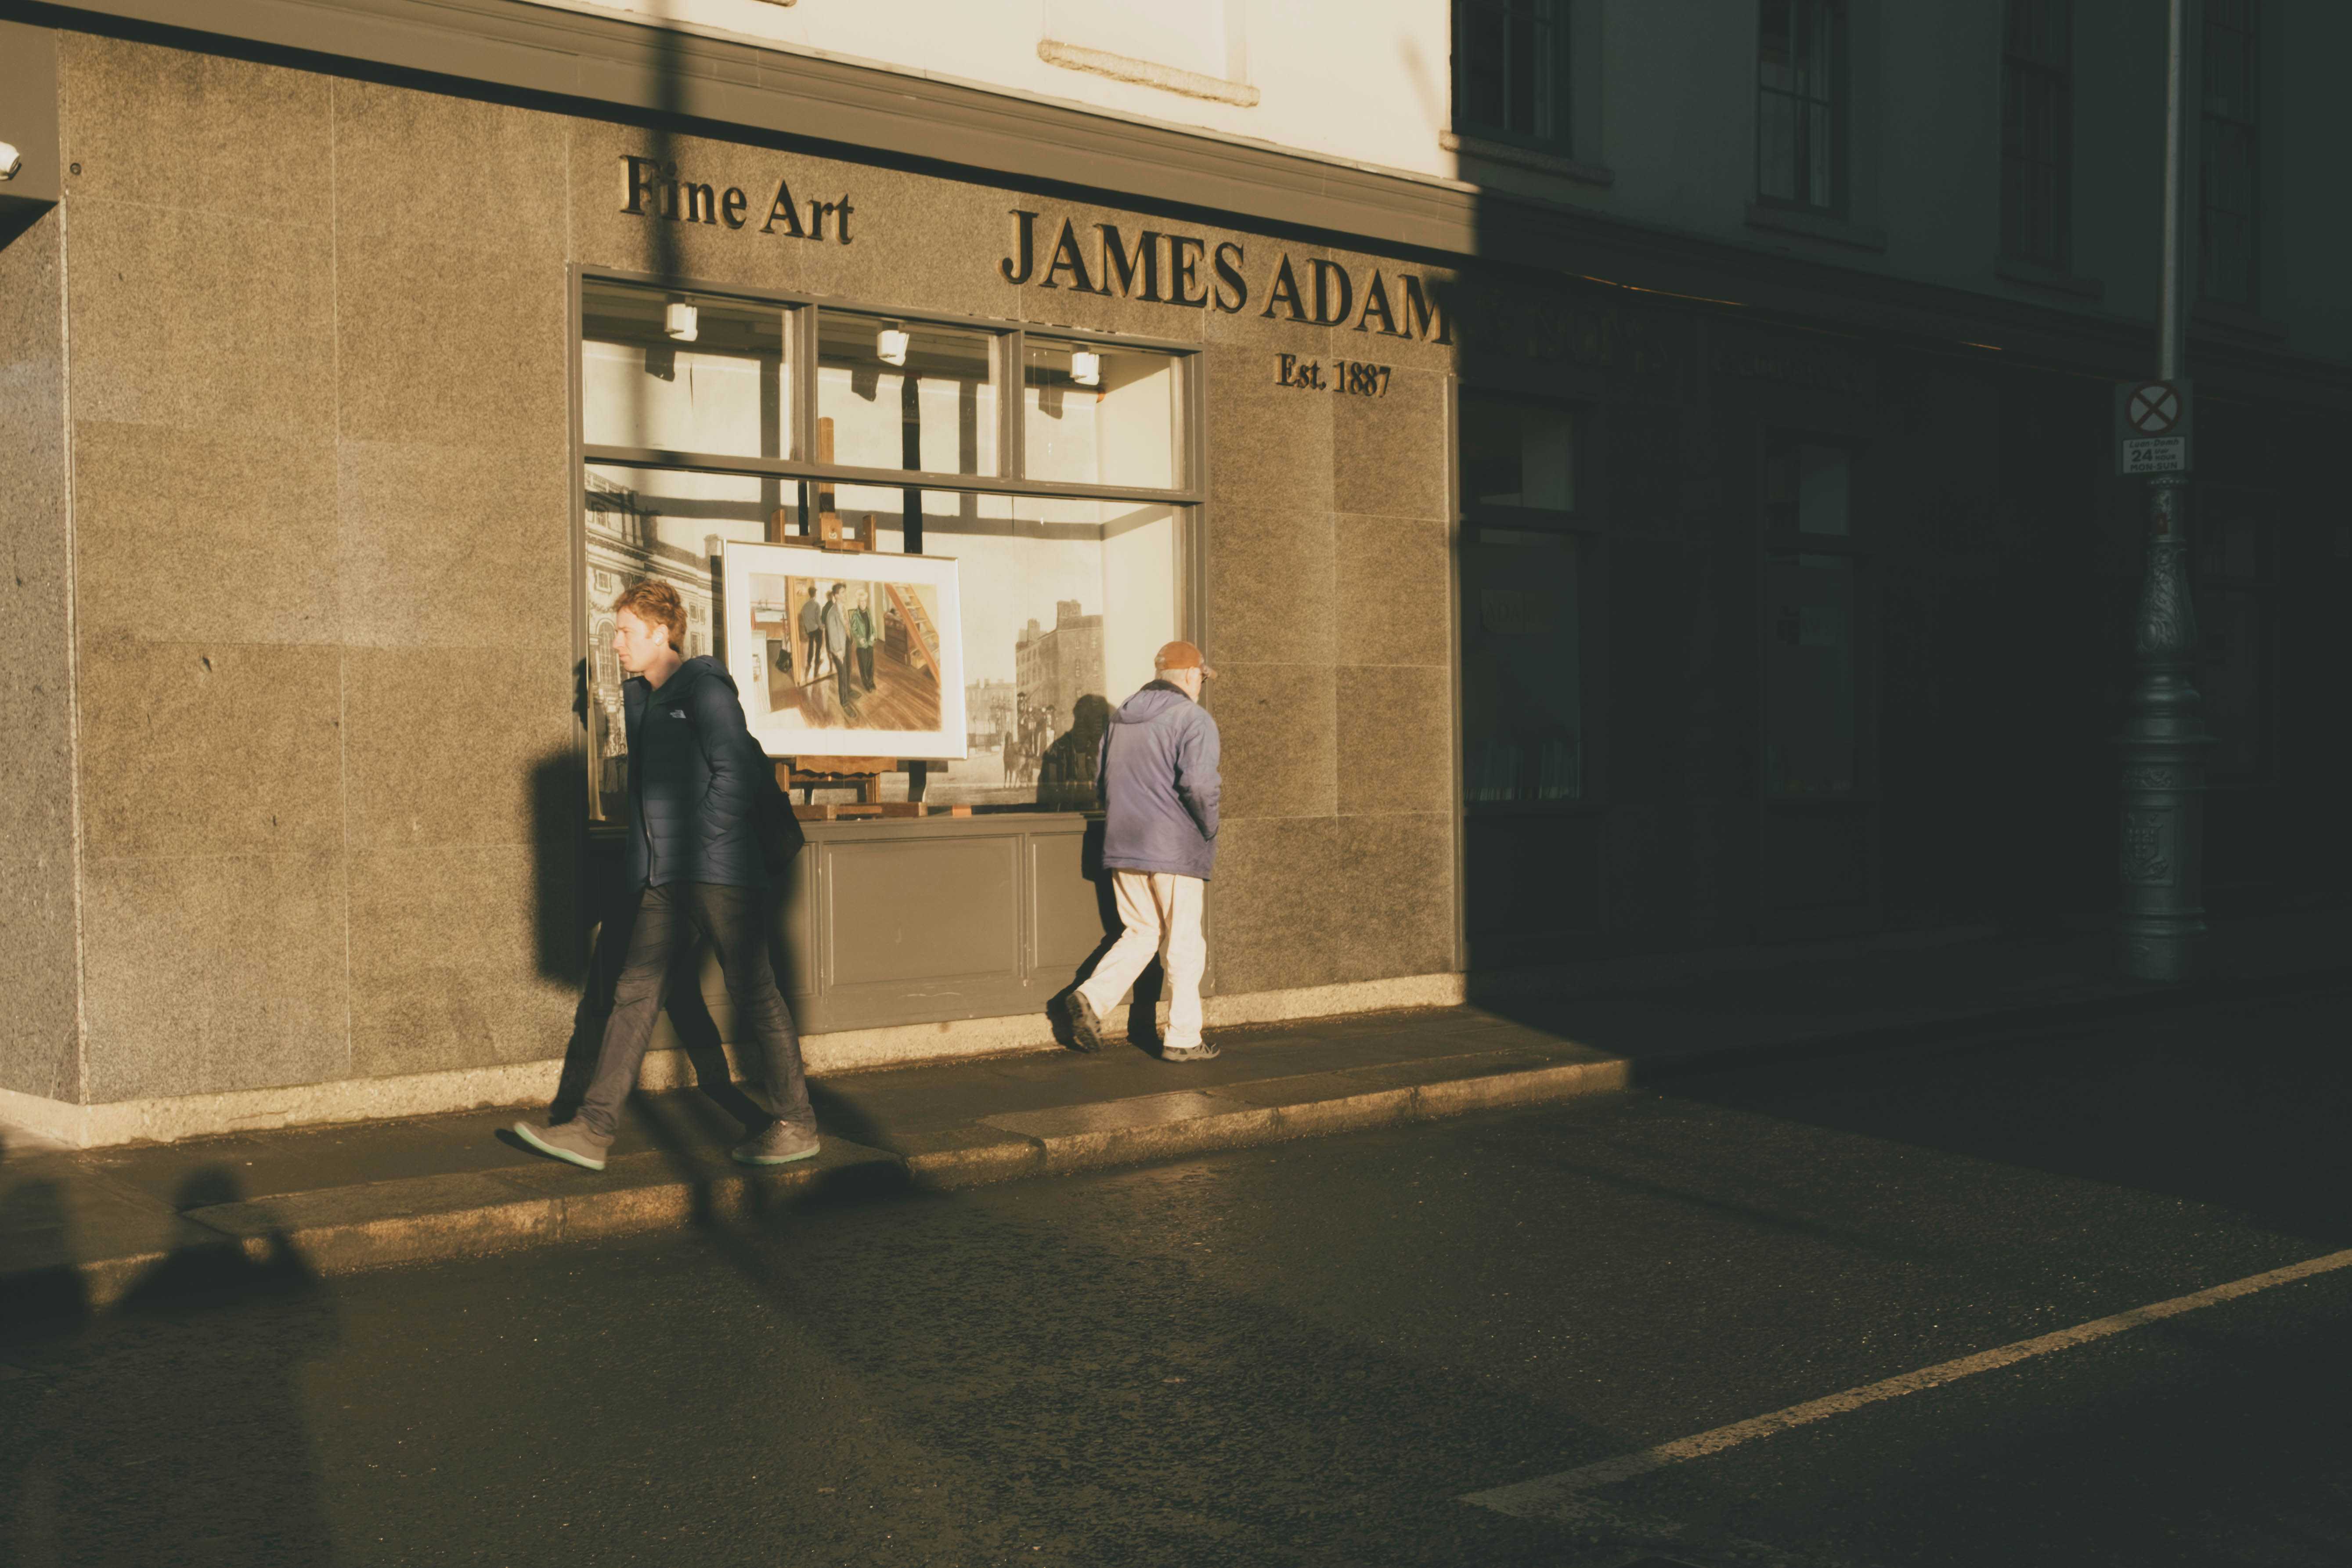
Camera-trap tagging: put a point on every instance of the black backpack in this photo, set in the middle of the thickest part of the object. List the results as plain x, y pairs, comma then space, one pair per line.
779, 830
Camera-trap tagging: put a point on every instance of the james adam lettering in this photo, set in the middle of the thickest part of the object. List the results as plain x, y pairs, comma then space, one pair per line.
652, 188
1180, 269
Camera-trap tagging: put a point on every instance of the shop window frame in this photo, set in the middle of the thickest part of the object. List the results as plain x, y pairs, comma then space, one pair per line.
1856, 546
1188, 500
1583, 525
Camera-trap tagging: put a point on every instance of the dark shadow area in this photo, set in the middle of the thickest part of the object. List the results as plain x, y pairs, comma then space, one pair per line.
1123, 1403
2236, 1104
173, 1427
562, 905
46, 1294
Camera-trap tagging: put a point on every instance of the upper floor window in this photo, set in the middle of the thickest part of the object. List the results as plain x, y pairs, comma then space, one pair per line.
1800, 104
2037, 131
1510, 70
2229, 188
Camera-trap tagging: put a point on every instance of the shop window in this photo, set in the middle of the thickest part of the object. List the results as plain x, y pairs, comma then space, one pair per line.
1518, 454
716, 378
1064, 602
905, 395
1812, 604
1522, 596
2037, 131
1510, 70
1099, 416
2237, 584
1522, 721
1808, 488
2229, 154
1800, 104
1067, 583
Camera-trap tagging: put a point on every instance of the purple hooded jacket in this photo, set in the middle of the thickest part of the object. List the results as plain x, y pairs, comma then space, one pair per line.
1159, 781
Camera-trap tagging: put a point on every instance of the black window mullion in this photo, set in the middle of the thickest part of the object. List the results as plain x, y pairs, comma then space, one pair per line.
1012, 426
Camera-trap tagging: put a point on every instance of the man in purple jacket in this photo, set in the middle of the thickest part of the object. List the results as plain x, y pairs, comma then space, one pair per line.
1157, 778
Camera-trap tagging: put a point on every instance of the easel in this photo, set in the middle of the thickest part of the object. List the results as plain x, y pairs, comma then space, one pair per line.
864, 775
830, 532
861, 773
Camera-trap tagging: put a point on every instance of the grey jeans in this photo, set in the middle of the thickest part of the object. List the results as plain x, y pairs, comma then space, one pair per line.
730, 919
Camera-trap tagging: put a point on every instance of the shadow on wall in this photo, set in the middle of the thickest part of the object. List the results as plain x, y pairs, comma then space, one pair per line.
171, 1428
563, 905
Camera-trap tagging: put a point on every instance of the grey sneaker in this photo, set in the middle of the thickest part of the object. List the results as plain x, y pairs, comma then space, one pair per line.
781, 1144
565, 1141
1199, 1053
1086, 1025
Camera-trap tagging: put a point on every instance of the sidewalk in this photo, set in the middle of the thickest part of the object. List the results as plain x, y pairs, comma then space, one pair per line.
85, 1224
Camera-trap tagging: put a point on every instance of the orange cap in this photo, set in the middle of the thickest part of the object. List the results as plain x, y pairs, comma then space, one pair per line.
1181, 655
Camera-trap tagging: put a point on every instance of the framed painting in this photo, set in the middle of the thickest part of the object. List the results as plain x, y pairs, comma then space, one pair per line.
845, 654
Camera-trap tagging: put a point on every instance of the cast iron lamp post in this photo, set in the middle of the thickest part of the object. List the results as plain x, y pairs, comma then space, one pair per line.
2162, 922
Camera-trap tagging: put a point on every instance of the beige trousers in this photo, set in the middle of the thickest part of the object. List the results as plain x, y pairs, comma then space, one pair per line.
1161, 912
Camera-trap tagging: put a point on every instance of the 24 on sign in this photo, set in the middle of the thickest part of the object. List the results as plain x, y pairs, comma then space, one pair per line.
1349, 377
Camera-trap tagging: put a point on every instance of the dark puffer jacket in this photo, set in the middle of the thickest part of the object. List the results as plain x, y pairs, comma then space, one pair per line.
693, 780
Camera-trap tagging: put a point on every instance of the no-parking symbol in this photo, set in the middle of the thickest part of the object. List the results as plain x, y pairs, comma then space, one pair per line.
2152, 428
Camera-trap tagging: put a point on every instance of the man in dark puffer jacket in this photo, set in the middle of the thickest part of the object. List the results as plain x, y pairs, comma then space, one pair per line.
694, 855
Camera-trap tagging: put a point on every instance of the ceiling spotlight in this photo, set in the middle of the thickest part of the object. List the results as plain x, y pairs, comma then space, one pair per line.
10, 161
1086, 367
890, 345
678, 320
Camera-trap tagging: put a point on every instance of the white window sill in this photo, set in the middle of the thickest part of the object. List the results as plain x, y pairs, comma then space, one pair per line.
2035, 275
1146, 73
2238, 320
1815, 225
1519, 157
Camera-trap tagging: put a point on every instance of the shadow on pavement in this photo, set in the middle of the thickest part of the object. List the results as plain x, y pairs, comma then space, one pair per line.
2240, 1105
136, 1426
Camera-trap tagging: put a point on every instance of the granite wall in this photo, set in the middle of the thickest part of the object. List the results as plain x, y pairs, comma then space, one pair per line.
323, 563
39, 1044
323, 572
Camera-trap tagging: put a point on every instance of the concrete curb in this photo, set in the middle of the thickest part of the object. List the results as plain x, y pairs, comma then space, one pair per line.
424, 1219
377, 1224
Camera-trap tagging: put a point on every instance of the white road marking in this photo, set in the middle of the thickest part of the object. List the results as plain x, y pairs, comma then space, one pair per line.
1550, 1497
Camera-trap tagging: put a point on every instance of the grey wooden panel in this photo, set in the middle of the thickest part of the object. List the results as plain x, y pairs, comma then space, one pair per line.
796, 941
1067, 906
912, 910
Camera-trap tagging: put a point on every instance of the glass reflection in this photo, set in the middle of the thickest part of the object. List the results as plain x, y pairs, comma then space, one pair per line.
1094, 414
725, 390
1064, 604
905, 395
660, 522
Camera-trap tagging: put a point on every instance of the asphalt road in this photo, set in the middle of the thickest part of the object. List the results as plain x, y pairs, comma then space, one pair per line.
1308, 1355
